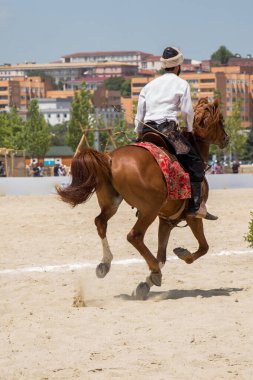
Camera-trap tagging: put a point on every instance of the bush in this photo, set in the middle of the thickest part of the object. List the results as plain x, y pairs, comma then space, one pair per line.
249, 236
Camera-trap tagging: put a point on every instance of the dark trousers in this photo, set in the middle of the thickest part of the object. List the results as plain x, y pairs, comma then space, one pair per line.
192, 163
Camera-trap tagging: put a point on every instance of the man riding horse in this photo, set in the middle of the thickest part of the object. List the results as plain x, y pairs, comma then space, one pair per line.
159, 103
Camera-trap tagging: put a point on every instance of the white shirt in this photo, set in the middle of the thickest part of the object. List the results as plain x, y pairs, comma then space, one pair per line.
162, 99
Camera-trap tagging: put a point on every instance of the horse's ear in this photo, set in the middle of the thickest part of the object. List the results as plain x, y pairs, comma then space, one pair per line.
216, 103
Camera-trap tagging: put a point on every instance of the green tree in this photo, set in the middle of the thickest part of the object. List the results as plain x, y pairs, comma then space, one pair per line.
114, 83
4, 131
59, 134
80, 117
125, 89
119, 84
237, 138
37, 137
221, 55
249, 146
122, 133
17, 128
12, 130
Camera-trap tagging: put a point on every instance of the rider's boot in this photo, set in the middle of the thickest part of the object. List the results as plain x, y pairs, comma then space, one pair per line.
197, 206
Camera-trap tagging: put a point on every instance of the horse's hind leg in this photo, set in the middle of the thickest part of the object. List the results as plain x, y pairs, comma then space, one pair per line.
109, 202
196, 225
165, 228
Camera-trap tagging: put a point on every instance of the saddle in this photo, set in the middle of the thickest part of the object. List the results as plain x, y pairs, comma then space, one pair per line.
166, 136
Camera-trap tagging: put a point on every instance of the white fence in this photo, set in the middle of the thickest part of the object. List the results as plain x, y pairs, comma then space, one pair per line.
46, 185
31, 185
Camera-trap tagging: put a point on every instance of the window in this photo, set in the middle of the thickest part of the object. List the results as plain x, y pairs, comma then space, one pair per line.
206, 89
192, 81
138, 84
207, 80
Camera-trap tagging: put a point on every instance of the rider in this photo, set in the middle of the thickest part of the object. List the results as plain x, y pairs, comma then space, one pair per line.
159, 102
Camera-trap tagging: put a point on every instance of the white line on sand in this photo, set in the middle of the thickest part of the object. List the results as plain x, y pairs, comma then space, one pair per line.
86, 264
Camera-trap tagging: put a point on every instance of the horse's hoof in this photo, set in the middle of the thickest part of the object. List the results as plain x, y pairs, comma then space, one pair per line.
102, 270
142, 291
156, 278
184, 255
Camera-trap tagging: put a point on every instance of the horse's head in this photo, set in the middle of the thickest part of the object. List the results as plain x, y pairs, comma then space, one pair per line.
208, 123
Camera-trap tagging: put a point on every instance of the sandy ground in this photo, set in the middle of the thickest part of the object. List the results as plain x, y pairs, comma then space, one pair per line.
198, 325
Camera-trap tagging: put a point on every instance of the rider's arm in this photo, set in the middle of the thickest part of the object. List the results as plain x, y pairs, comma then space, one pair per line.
187, 109
141, 109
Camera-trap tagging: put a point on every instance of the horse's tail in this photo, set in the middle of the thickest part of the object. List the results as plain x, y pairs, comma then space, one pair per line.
89, 168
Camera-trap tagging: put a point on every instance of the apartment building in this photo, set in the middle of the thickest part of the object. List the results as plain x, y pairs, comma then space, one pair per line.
103, 98
20, 90
232, 83
131, 57
137, 83
55, 110
65, 72
92, 83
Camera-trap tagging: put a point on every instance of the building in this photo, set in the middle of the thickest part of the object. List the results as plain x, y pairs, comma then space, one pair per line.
151, 62
231, 83
61, 94
128, 109
130, 57
136, 85
63, 72
55, 110
92, 83
104, 98
18, 91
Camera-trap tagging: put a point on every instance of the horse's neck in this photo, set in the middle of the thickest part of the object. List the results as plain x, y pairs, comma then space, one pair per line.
203, 149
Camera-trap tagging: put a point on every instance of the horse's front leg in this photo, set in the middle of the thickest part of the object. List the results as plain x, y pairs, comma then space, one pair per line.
196, 225
136, 238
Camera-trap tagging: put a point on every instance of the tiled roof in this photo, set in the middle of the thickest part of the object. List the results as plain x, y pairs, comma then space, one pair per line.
152, 58
105, 53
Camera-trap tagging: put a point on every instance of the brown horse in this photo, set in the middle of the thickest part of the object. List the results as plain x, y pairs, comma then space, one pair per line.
131, 173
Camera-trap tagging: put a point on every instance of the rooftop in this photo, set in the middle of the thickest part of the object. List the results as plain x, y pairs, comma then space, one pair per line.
104, 53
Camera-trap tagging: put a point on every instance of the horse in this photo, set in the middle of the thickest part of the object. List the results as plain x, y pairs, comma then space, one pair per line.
131, 173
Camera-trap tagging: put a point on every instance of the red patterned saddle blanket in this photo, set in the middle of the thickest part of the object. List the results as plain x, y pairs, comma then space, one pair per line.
177, 180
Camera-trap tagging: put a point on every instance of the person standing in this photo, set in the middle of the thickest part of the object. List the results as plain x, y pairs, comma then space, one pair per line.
2, 169
235, 167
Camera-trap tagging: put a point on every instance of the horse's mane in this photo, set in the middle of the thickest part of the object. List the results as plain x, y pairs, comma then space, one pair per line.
207, 117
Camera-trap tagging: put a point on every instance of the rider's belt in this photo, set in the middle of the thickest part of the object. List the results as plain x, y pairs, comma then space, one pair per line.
170, 129
166, 126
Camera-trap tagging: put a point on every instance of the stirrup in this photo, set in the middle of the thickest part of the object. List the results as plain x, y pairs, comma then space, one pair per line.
201, 213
